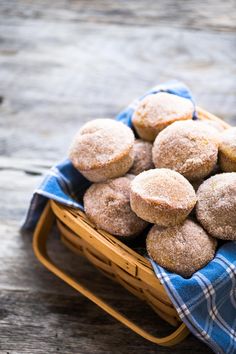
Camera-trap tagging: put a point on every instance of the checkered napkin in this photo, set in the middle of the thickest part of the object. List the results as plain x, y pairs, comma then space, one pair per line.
206, 302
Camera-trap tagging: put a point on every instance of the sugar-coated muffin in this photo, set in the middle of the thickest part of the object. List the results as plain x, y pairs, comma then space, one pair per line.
188, 148
182, 249
103, 149
107, 205
142, 157
162, 196
213, 125
216, 206
155, 112
227, 150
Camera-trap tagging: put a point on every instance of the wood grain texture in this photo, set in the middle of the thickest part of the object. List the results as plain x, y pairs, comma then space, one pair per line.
58, 71
63, 63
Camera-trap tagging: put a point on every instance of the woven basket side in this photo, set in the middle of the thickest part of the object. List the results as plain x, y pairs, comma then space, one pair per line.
153, 296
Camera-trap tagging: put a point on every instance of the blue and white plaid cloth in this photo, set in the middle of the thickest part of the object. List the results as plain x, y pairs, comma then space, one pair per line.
206, 302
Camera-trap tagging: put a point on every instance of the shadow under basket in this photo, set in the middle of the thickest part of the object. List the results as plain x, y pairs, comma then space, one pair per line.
115, 259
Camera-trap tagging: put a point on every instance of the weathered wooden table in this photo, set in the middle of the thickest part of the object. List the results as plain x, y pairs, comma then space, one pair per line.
63, 63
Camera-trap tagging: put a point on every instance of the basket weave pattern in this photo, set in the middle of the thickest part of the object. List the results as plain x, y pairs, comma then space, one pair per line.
146, 288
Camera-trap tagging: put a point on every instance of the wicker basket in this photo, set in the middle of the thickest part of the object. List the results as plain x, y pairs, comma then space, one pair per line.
114, 259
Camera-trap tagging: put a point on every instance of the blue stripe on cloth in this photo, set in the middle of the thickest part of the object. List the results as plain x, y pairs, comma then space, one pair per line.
64, 184
207, 301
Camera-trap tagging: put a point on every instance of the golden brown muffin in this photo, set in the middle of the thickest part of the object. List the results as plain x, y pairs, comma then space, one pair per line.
188, 148
227, 150
103, 149
213, 125
182, 249
142, 157
155, 112
162, 196
107, 205
216, 206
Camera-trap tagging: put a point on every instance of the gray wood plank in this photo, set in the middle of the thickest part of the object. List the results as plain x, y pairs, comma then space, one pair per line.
201, 15
57, 73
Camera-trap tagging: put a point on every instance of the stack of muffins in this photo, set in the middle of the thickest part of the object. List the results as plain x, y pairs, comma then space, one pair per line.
169, 176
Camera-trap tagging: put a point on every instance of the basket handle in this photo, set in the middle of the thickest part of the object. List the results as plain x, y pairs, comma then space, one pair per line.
40, 249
